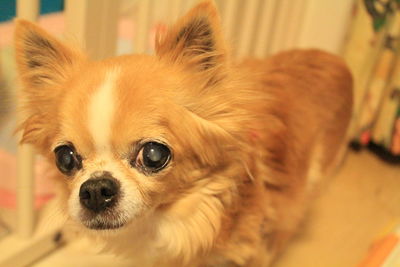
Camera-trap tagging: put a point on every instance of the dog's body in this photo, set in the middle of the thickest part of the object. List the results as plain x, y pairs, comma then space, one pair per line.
241, 146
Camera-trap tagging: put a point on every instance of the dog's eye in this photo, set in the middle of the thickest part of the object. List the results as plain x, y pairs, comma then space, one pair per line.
67, 160
153, 157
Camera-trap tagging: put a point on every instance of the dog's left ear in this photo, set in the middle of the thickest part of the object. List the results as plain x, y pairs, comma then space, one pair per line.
196, 41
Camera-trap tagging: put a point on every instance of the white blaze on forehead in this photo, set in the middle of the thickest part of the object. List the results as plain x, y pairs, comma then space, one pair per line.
101, 111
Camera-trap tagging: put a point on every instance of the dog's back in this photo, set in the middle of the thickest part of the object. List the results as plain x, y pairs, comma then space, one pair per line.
310, 93
304, 109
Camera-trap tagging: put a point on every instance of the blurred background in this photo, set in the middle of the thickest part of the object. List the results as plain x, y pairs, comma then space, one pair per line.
351, 222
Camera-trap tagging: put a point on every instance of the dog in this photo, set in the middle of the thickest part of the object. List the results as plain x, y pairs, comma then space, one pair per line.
184, 158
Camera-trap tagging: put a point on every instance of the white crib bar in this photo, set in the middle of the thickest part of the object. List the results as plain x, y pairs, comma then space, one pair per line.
108, 31
94, 24
248, 20
296, 17
174, 10
26, 9
25, 191
142, 26
228, 18
282, 21
322, 15
263, 35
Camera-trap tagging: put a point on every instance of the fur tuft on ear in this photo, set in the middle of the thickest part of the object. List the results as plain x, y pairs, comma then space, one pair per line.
195, 41
44, 65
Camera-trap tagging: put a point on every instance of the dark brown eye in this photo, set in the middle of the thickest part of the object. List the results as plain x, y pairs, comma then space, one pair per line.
153, 157
67, 160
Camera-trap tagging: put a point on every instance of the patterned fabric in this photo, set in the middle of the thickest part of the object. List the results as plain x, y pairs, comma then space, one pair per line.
372, 51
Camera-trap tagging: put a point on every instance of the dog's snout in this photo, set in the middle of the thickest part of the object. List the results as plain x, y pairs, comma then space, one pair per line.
97, 194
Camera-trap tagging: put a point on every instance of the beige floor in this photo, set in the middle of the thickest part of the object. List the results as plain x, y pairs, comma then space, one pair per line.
361, 201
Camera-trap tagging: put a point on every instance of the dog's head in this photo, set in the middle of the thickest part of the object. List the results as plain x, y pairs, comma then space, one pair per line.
131, 135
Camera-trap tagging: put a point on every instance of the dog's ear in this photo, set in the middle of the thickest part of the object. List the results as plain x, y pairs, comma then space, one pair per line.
196, 41
44, 64
41, 59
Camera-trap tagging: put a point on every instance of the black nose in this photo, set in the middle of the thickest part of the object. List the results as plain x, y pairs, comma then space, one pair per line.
97, 194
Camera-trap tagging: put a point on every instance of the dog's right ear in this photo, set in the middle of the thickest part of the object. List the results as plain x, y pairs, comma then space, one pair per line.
44, 65
42, 60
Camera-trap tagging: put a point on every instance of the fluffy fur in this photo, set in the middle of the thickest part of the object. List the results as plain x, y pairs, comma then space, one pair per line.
249, 141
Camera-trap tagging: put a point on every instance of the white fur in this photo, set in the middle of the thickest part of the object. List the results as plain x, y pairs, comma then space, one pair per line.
100, 118
101, 111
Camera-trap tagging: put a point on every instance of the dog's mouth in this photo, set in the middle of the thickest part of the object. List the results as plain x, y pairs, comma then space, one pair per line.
107, 220
102, 225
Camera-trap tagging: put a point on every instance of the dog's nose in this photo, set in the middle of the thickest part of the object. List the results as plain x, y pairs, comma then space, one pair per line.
97, 194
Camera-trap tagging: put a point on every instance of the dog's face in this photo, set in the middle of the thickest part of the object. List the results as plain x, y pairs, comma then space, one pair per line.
115, 144
131, 135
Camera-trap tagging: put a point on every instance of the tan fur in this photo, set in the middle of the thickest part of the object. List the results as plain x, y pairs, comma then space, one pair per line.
244, 137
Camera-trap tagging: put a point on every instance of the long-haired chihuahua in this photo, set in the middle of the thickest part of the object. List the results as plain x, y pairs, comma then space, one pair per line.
184, 158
